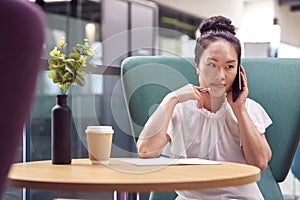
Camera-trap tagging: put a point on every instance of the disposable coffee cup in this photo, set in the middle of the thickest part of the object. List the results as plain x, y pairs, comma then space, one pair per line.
99, 141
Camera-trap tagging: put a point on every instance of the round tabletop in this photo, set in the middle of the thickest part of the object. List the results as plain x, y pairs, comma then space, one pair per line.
122, 176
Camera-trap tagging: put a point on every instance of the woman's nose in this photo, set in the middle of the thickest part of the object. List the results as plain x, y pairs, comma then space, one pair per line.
221, 74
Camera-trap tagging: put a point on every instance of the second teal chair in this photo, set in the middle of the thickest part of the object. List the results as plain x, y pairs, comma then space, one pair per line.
273, 82
296, 164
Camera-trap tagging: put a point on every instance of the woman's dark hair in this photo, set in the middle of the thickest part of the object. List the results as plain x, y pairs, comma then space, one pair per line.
213, 29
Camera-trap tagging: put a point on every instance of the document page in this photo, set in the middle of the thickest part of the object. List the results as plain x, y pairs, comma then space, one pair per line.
170, 161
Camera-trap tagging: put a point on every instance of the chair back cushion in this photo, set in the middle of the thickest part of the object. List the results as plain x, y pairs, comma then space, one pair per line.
274, 83
146, 80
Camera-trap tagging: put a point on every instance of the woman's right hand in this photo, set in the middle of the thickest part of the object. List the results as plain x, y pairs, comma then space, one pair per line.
189, 92
154, 137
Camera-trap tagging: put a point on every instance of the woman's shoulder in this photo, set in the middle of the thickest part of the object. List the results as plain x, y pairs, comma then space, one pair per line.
187, 108
190, 105
252, 104
255, 109
259, 115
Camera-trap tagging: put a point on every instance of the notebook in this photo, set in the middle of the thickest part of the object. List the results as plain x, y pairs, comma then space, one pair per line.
170, 161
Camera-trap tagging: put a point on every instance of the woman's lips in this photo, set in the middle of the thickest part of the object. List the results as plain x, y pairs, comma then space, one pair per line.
217, 85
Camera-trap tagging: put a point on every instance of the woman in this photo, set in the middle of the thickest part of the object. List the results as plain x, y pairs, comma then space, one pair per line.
206, 122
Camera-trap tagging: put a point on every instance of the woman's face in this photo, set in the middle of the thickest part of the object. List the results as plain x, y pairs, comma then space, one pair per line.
218, 67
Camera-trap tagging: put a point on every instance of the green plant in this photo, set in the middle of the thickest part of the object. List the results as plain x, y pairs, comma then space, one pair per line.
67, 69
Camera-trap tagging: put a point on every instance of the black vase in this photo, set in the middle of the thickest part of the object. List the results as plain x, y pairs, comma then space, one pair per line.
61, 131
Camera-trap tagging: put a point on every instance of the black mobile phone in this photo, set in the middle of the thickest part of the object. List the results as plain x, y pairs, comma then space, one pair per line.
237, 85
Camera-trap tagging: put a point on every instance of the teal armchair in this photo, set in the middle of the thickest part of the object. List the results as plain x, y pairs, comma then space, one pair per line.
273, 82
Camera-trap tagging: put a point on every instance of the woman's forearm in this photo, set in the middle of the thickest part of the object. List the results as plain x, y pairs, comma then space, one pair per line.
153, 137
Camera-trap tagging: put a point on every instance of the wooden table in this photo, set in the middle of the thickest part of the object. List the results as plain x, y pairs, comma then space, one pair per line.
121, 176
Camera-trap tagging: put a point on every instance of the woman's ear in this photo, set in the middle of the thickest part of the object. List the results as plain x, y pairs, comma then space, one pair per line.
197, 69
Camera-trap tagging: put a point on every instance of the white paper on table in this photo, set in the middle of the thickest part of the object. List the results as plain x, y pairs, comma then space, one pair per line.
170, 161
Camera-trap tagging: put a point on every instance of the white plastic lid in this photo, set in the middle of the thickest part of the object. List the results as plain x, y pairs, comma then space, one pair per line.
99, 129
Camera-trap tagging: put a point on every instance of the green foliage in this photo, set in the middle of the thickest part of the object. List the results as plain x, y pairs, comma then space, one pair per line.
67, 69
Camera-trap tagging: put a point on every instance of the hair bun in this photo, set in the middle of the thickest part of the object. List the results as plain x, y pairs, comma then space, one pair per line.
216, 24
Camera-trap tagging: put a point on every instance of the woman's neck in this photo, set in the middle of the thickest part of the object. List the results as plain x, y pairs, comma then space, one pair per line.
213, 104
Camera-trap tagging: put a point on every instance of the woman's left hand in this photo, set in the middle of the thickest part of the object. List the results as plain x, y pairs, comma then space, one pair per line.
240, 101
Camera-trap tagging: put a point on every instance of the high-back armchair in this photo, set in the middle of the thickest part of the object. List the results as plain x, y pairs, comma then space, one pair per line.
21, 38
273, 82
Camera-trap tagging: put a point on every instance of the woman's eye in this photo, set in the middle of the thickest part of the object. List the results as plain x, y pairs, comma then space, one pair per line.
211, 65
229, 66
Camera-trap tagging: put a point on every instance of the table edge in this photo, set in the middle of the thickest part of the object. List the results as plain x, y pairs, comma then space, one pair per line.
134, 187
